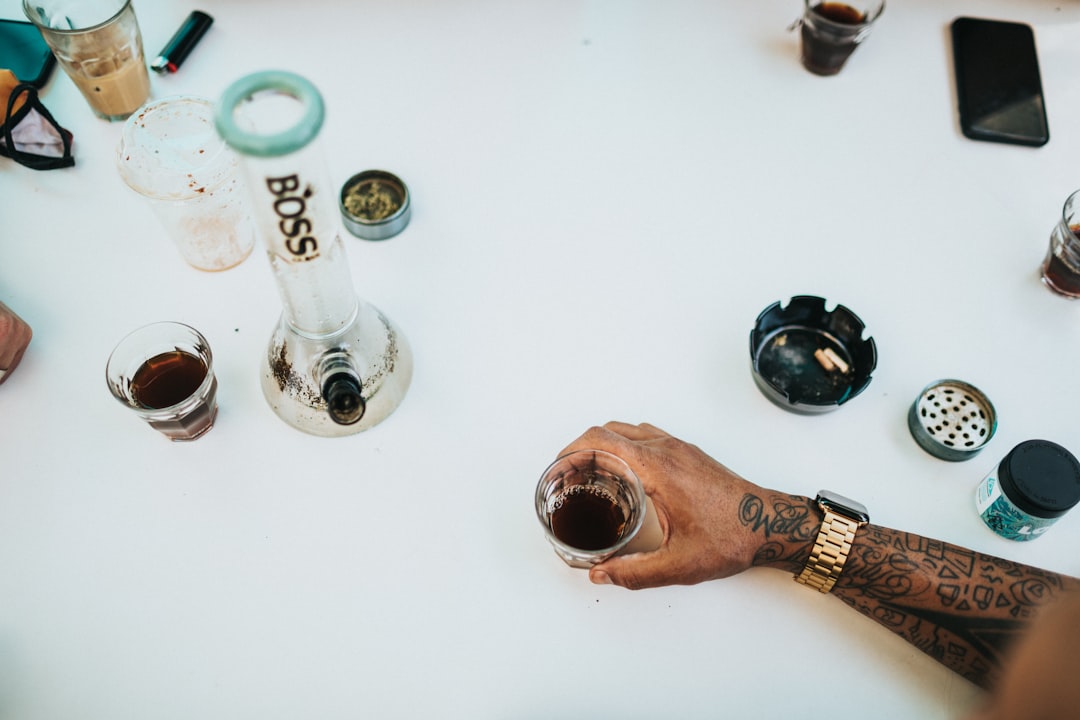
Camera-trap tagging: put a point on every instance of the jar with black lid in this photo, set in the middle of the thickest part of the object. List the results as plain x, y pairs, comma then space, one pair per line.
1033, 486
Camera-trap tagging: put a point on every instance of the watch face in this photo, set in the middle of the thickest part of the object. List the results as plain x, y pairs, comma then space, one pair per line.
844, 506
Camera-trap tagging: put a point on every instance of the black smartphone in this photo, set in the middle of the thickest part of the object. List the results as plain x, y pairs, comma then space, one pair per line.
24, 52
999, 89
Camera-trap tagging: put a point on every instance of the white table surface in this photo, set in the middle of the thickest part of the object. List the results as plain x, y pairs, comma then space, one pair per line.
606, 194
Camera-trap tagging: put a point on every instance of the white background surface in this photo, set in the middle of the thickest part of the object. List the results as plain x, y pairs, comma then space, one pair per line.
606, 194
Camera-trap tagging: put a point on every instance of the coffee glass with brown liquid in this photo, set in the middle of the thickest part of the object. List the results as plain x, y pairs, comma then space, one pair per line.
165, 373
99, 46
592, 506
1061, 268
830, 32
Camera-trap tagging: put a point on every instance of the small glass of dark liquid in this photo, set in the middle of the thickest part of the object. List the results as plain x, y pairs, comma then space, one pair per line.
591, 505
1061, 268
165, 373
832, 30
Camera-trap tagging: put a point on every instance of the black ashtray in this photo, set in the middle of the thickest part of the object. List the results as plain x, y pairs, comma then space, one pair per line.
808, 359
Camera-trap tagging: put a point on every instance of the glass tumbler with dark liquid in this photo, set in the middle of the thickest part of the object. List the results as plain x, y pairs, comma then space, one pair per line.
830, 32
592, 506
165, 373
1061, 268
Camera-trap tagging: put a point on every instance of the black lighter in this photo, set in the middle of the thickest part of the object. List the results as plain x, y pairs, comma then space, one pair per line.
182, 42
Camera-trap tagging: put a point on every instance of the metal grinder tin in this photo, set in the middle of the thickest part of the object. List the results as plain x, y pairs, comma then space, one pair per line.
952, 420
375, 205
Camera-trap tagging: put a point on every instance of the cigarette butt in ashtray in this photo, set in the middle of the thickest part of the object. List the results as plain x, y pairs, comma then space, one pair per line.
830, 360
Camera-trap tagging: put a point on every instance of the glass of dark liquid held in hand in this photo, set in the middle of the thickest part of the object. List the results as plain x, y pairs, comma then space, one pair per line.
832, 30
1061, 269
592, 506
165, 373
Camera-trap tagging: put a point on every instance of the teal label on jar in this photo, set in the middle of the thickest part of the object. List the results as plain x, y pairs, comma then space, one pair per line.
1004, 518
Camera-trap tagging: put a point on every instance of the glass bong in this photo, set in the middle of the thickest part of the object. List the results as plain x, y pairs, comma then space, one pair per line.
335, 364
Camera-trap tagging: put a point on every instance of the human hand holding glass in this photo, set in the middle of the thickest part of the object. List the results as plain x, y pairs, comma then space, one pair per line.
697, 504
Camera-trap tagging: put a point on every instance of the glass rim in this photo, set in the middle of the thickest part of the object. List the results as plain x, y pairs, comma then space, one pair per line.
637, 490
73, 31
221, 153
1070, 208
871, 16
175, 408
283, 142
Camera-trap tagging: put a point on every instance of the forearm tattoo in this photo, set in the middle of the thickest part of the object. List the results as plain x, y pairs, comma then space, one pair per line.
961, 607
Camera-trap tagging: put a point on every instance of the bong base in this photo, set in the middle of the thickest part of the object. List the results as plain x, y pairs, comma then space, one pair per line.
377, 351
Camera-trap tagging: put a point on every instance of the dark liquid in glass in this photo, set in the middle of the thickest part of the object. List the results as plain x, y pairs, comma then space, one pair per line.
588, 518
839, 13
824, 53
1060, 275
167, 379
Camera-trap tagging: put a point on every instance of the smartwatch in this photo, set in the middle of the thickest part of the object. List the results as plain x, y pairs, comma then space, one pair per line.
843, 518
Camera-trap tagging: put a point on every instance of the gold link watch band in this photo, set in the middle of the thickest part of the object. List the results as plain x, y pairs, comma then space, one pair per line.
843, 518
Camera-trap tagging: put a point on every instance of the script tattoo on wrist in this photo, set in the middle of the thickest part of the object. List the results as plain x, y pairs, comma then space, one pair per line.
787, 524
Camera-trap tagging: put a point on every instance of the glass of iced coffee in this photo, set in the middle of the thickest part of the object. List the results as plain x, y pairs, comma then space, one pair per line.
98, 44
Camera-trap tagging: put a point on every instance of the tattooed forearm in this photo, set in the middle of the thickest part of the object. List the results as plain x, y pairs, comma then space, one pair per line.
960, 607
